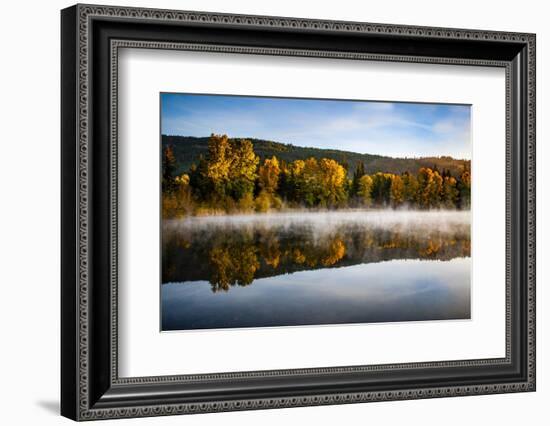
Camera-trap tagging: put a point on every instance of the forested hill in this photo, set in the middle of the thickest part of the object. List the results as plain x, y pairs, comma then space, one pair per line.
187, 150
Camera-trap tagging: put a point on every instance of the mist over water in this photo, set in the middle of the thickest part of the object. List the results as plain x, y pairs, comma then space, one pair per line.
321, 221
321, 267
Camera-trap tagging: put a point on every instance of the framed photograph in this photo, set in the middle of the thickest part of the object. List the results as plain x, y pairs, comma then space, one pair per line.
263, 212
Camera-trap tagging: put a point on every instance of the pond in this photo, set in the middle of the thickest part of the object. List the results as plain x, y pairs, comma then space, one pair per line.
307, 268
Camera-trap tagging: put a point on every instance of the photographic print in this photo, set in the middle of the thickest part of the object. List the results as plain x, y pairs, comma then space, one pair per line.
290, 211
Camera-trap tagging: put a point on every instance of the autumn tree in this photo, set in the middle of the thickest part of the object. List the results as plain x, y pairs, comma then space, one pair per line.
318, 183
410, 188
397, 191
268, 175
308, 181
218, 163
229, 168
215, 167
332, 180
268, 182
243, 163
365, 189
430, 184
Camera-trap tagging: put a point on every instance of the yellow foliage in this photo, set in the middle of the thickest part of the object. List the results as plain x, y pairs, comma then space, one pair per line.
243, 161
365, 188
230, 174
268, 174
397, 190
233, 265
182, 179
219, 158
298, 257
246, 203
336, 252
430, 184
179, 202
266, 201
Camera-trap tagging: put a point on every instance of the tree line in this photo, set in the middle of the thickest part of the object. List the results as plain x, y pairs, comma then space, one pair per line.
230, 178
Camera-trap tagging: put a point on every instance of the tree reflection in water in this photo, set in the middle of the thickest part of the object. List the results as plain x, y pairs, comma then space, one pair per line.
237, 254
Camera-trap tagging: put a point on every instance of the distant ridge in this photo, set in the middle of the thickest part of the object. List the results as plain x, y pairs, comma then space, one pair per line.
188, 149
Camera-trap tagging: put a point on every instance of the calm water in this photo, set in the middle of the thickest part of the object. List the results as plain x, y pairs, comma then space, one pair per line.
308, 268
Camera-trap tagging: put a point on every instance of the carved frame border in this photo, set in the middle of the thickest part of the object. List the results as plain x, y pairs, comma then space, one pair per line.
87, 12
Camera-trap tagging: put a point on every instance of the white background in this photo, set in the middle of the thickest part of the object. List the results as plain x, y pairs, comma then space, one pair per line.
29, 229
146, 352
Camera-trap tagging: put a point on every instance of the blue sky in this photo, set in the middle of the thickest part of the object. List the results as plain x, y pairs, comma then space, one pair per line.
385, 128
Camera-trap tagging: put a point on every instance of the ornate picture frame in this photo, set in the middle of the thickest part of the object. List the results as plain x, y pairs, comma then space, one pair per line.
91, 37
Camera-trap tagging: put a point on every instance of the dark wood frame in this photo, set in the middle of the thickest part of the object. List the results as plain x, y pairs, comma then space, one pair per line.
91, 37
